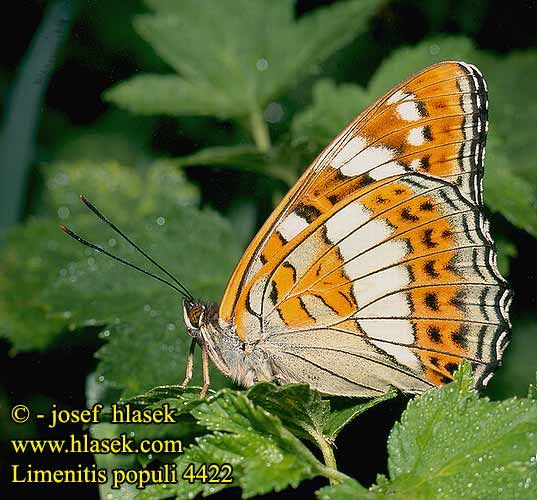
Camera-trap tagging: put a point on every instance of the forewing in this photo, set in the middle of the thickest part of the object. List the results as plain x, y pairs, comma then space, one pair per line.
380, 257
434, 122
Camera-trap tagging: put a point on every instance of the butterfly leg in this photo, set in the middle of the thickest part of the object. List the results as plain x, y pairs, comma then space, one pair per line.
205, 369
189, 364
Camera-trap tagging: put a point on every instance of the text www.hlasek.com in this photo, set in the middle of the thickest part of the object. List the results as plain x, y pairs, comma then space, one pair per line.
122, 444
84, 444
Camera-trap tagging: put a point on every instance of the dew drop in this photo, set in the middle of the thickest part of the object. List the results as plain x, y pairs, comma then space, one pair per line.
262, 64
35, 261
273, 112
161, 221
63, 212
61, 179
434, 49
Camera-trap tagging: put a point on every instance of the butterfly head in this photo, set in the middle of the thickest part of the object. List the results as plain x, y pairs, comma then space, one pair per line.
194, 314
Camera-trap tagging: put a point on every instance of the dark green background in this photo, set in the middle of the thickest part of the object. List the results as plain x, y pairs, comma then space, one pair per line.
99, 48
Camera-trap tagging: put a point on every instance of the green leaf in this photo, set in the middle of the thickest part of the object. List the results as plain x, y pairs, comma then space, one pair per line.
181, 402
301, 409
51, 286
507, 250
244, 157
532, 391
344, 410
275, 163
111, 461
111, 138
451, 444
347, 490
405, 61
265, 455
332, 109
518, 364
305, 413
509, 193
229, 62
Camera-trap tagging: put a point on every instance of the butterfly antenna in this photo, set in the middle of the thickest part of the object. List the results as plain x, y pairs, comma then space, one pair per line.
119, 259
101, 216
105, 219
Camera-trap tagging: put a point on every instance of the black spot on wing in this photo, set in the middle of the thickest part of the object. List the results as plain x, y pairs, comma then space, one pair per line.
434, 334
467, 231
334, 198
447, 199
380, 200
427, 239
451, 367
273, 292
431, 301
307, 212
460, 336
410, 271
425, 163
407, 215
427, 134
422, 109
457, 300
288, 265
426, 206
430, 270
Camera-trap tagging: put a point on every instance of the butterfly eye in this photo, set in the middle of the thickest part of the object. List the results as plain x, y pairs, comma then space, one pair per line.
193, 314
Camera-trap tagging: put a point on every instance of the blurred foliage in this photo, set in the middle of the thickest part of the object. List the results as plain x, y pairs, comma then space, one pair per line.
240, 66
203, 105
155, 207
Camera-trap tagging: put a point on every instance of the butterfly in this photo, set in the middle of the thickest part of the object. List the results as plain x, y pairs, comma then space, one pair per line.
377, 269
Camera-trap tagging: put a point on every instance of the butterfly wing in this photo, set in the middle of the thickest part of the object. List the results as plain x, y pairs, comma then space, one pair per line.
377, 268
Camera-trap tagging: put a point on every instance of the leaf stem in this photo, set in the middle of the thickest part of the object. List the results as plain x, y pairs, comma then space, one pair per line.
329, 459
334, 476
259, 130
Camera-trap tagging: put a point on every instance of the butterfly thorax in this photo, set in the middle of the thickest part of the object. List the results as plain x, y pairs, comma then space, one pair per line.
244, 362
